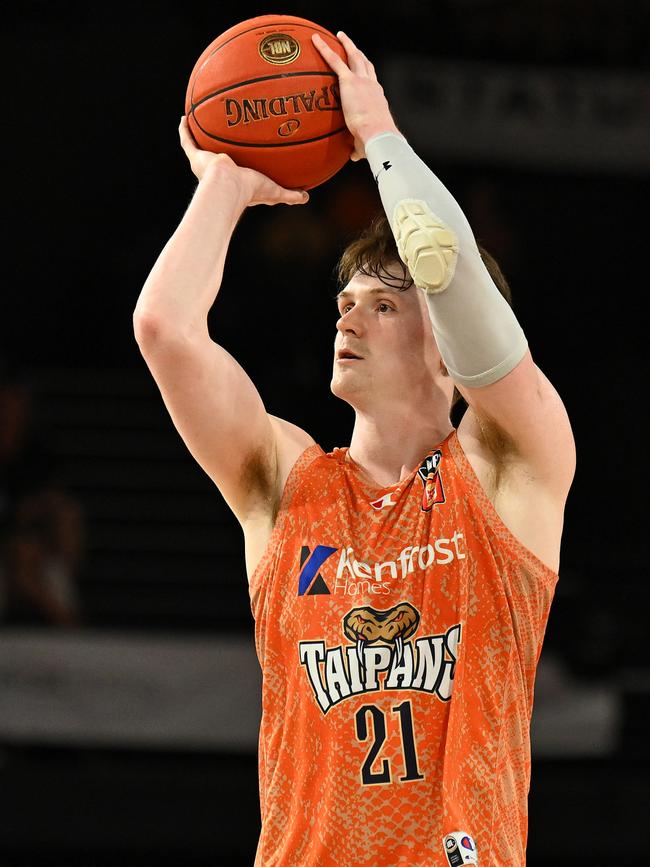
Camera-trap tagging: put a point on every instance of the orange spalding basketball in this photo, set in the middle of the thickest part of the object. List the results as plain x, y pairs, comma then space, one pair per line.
262, 94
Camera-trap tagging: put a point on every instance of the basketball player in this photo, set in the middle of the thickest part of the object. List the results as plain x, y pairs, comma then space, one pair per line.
401, 586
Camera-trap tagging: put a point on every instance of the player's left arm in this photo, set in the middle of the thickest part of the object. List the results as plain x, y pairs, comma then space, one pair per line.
480, 341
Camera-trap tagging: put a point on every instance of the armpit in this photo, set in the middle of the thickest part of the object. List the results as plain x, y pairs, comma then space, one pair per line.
500, 446
258, 481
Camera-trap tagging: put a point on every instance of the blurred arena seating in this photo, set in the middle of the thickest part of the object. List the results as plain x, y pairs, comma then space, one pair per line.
163, 549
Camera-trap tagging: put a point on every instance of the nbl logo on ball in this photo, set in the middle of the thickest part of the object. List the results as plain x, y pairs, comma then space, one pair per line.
279, 48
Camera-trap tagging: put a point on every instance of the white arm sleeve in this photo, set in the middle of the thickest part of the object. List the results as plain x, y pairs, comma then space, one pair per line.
477, 333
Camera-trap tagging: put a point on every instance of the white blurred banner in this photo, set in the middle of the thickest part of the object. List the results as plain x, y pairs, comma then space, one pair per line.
101, 689
105, 688
522, 116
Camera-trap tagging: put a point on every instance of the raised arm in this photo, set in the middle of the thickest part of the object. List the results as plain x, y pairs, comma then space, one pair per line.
479, 338
213, 403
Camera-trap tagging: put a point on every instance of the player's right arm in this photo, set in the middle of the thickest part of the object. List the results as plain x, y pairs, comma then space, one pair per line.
213, 403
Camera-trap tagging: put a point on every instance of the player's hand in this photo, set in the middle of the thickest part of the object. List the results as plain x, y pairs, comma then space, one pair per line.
364, 105
258, 189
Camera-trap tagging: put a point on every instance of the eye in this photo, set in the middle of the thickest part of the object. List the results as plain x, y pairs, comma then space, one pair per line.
345, 308
383, 307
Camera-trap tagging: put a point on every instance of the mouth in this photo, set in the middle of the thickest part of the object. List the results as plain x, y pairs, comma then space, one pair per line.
347, 355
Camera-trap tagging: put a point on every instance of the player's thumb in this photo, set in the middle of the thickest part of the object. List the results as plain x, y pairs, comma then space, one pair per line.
296, 197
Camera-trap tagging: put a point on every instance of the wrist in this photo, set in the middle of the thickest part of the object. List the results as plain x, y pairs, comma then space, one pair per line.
230, 179
376, 128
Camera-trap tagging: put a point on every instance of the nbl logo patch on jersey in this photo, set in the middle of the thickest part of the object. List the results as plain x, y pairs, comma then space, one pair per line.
460, 849
429, 473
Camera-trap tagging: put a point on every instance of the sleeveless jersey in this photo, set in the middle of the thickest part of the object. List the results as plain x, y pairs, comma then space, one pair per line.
398, 631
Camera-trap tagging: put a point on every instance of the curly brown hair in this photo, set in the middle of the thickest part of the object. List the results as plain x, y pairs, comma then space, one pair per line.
374, 254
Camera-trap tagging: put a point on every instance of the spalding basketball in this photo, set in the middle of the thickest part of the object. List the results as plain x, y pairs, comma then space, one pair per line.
262, 94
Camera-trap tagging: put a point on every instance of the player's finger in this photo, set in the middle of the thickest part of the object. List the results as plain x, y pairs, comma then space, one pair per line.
331, 57
187, 139
358, 61
297, 197
355, 58
290, 197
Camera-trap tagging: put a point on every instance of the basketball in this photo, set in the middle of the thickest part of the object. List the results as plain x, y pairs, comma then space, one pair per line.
262, 94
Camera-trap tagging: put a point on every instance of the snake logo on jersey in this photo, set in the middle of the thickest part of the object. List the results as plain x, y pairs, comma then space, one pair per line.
429, 472
381, 657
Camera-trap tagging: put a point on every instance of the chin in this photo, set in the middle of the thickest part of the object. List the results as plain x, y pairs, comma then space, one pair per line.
341, 389
349, 393
336, 387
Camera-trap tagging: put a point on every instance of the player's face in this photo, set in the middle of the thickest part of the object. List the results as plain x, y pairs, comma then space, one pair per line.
384, 348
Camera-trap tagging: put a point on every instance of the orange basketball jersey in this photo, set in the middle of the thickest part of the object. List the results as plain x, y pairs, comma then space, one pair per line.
398, 631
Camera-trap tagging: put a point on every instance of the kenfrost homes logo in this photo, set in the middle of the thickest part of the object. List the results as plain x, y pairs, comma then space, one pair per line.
354, 576
381, 657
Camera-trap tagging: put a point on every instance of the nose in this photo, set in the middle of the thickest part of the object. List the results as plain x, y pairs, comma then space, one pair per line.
350, 322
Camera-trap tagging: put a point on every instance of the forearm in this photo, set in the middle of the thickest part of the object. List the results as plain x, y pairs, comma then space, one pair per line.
477, 333
186, 277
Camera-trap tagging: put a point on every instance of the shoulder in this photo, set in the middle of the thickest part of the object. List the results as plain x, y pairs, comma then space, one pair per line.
291, 442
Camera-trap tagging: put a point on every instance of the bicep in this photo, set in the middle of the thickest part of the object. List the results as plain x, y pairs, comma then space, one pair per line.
529, 416
221, 418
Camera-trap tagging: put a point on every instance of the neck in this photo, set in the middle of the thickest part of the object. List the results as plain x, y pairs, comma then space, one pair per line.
389, 443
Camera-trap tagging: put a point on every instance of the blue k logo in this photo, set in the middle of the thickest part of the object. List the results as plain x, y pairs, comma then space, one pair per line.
311, 582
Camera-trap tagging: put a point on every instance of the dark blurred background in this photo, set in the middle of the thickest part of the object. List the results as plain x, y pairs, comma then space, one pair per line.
129, 687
